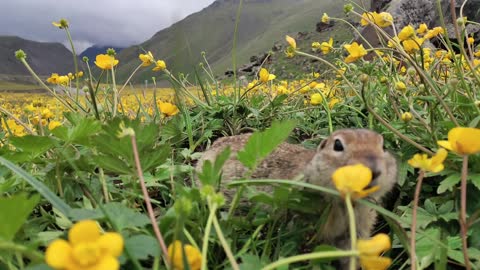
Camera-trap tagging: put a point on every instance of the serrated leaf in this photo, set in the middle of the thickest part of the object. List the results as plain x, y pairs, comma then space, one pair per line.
211, 173
448, 183
35, 145
430, 207
475, 179
112, 164
142, 246
80, 132
261, 144
155, 158
125, 217
15, 210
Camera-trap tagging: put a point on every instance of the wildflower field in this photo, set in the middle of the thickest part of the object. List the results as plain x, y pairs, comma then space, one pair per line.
96, 175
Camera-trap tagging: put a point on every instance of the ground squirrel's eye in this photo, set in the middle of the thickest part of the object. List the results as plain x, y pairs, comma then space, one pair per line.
338, 146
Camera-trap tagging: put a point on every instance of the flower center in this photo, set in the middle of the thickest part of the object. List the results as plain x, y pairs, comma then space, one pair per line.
86, 254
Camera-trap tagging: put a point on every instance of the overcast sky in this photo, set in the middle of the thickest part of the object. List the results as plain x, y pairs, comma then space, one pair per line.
102, 22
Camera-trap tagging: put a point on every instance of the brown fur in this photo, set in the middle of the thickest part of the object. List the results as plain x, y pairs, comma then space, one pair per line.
288, 160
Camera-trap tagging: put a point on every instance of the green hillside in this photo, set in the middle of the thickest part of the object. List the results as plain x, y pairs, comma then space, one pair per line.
262, 22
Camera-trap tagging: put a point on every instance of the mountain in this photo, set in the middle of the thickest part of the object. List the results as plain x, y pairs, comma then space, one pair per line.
262, 22
93, 51
44, 57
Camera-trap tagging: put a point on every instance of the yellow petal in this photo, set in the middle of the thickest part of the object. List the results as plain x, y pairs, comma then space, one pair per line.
111, 243
353, 178
465, 140
375, 263
445, 144
107, 263
364, 193
58, 254
84, 231
291, 41
375, 245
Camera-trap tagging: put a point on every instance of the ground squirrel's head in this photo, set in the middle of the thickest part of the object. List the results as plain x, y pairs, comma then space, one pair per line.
352, 146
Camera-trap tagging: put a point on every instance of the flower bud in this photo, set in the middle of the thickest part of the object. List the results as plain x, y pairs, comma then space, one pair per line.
363, 78
406, 117
85, 59
20, 54
347, 8
111, 52
411, 71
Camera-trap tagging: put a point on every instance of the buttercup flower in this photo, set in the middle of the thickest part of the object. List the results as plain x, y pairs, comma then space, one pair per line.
61, 24
53, 78
167, 108
105, 61
407, 32
264, 76
462, 140
422, 29
316, 99
175, 253
412, 45
53, 124
470, 40
353, 180
291, 41
159, 65
370, 251
325, 18
384, 19
355, 52
433, 164
147, 59
406, 117
400, 86
87, 248
326, 47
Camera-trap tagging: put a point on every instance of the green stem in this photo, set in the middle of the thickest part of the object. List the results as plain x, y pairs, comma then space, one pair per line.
77, 83
115, 93
225, 245
104, 184
353, 230
13, 247
463, 211
129, 78
208, 228
413, 227
35, 76
310, 256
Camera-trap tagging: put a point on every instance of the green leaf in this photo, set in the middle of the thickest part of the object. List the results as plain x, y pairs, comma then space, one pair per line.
211, 173
38, 186
142, 246
475, 179
250, 261
125, 217
14, 213
448, 183
112, 164
82, 130
157, 157
261, 144
35, 145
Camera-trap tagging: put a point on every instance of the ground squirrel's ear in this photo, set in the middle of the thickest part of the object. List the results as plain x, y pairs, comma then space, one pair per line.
322, 144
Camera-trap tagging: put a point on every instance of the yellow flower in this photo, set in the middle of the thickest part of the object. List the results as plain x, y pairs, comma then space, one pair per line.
175, 253
422, 29
462, 140
11, 126
434, 32
264, 76
147, 59
384, 19
79, 74
470, 40
87, 248
167, 108
406, 117
326, 47
355, 52
333, 101
434, 164
53, 78
315, 45
53, 124
412, 45
105, 61
353, 180
316, 99
370, 251
291, 41
47, 114
61, 24
63, 80
325, 18
368, 16
159, 65
400, 86
407, 32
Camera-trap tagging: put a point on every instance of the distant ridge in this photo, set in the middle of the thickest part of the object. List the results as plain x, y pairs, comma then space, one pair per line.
44, 57
93, 51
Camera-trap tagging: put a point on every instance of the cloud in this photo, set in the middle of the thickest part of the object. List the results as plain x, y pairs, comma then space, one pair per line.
102, 22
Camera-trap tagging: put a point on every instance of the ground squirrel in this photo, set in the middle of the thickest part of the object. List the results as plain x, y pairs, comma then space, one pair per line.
342, 147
